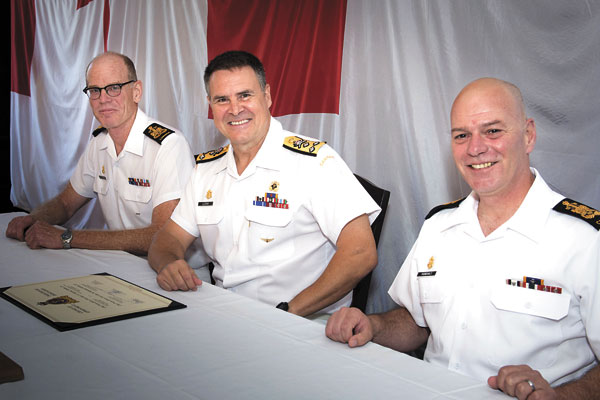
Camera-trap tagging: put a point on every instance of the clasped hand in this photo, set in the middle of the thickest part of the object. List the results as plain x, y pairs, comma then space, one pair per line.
37, 234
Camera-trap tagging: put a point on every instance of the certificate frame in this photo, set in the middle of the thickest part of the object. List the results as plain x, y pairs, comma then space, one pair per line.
62, 326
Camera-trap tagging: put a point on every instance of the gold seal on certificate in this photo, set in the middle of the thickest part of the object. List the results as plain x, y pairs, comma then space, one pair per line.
88, 300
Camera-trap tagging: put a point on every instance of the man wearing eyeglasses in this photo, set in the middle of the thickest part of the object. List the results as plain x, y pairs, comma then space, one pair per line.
135, 166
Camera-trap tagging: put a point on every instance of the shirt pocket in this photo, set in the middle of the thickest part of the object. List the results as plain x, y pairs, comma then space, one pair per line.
136, 200
530, 318
207, 220
431, 290
270, 234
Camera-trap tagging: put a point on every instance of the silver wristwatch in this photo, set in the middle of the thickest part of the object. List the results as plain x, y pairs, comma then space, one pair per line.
66, 238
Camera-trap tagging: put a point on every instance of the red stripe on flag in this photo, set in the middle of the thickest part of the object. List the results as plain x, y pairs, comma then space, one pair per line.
82, 3
22, 34
299, 42
105, 15
106, 23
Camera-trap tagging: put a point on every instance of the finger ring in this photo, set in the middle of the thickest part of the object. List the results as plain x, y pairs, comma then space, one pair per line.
531, 385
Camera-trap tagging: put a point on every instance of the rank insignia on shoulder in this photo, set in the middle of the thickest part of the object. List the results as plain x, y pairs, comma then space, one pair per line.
302, 146
436, 209
98, 131
157, 132
212, 155
578, 210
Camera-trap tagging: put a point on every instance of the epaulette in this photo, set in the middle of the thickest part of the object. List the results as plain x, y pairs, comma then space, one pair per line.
302, 146
211, 155
578, 210
98, 131
436, 209
157, 132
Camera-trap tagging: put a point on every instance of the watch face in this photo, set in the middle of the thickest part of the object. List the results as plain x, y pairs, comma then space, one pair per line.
66, 238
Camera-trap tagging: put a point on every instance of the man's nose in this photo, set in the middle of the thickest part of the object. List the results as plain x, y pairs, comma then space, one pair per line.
477, 145
235, 107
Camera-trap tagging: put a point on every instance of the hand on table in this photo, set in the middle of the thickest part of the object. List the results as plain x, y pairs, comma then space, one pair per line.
349, 325
522, 382
178, 275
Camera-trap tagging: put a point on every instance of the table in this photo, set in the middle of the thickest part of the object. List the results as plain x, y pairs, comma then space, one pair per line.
222, 346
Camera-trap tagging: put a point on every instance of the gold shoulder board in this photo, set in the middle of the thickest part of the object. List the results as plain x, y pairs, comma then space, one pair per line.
436, 209
578, 210
211, 155
157, 132
302, 146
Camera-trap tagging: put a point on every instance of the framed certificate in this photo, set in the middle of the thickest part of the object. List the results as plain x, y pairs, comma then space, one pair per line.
73, 303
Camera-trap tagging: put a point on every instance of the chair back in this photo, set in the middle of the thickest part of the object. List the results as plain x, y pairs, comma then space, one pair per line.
381, 196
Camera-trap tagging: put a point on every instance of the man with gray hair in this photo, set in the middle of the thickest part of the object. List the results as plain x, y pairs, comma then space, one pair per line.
135, 165
503, 284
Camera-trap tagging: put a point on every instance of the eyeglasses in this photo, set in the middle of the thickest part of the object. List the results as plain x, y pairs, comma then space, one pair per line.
113, 90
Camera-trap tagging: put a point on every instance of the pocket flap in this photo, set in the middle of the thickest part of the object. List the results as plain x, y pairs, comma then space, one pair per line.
141, 194
269, 216
430, 289
209, 215
530, 301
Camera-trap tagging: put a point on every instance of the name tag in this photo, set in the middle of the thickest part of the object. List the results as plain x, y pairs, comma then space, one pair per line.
426, 273
205, 203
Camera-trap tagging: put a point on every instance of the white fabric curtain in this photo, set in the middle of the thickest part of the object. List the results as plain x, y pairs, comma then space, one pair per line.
403, 63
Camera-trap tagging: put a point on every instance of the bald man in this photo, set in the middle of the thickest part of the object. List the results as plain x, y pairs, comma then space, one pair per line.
503, 284
135, 165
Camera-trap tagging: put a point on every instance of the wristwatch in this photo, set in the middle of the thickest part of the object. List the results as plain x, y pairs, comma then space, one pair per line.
66, 238
283, 306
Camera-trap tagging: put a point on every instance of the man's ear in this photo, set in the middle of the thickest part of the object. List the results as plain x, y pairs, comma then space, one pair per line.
137, 91
530, 135
268, 95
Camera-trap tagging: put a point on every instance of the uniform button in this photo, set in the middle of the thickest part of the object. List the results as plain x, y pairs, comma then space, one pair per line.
457, 366
463, 325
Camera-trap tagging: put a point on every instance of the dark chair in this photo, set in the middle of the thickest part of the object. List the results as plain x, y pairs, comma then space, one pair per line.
381, 197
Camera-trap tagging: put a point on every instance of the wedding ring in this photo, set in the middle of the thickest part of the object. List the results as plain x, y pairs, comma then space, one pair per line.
531, 385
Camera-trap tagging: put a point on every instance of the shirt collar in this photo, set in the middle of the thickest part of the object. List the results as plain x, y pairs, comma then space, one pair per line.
529, 220
268, 156
135, 140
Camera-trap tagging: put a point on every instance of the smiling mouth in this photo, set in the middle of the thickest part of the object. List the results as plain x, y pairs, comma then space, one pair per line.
236, 123
482, 166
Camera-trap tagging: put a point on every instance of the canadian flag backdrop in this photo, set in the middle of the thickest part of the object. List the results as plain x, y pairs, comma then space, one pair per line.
375, 79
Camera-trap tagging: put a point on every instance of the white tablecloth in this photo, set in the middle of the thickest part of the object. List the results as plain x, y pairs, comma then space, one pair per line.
222, 346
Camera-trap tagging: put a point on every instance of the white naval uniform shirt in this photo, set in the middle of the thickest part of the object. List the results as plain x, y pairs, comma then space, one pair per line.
267, 253
144, 175
478, 322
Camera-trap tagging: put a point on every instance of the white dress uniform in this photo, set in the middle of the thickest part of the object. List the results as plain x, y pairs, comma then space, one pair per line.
152, 168
271, 232
454, 281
